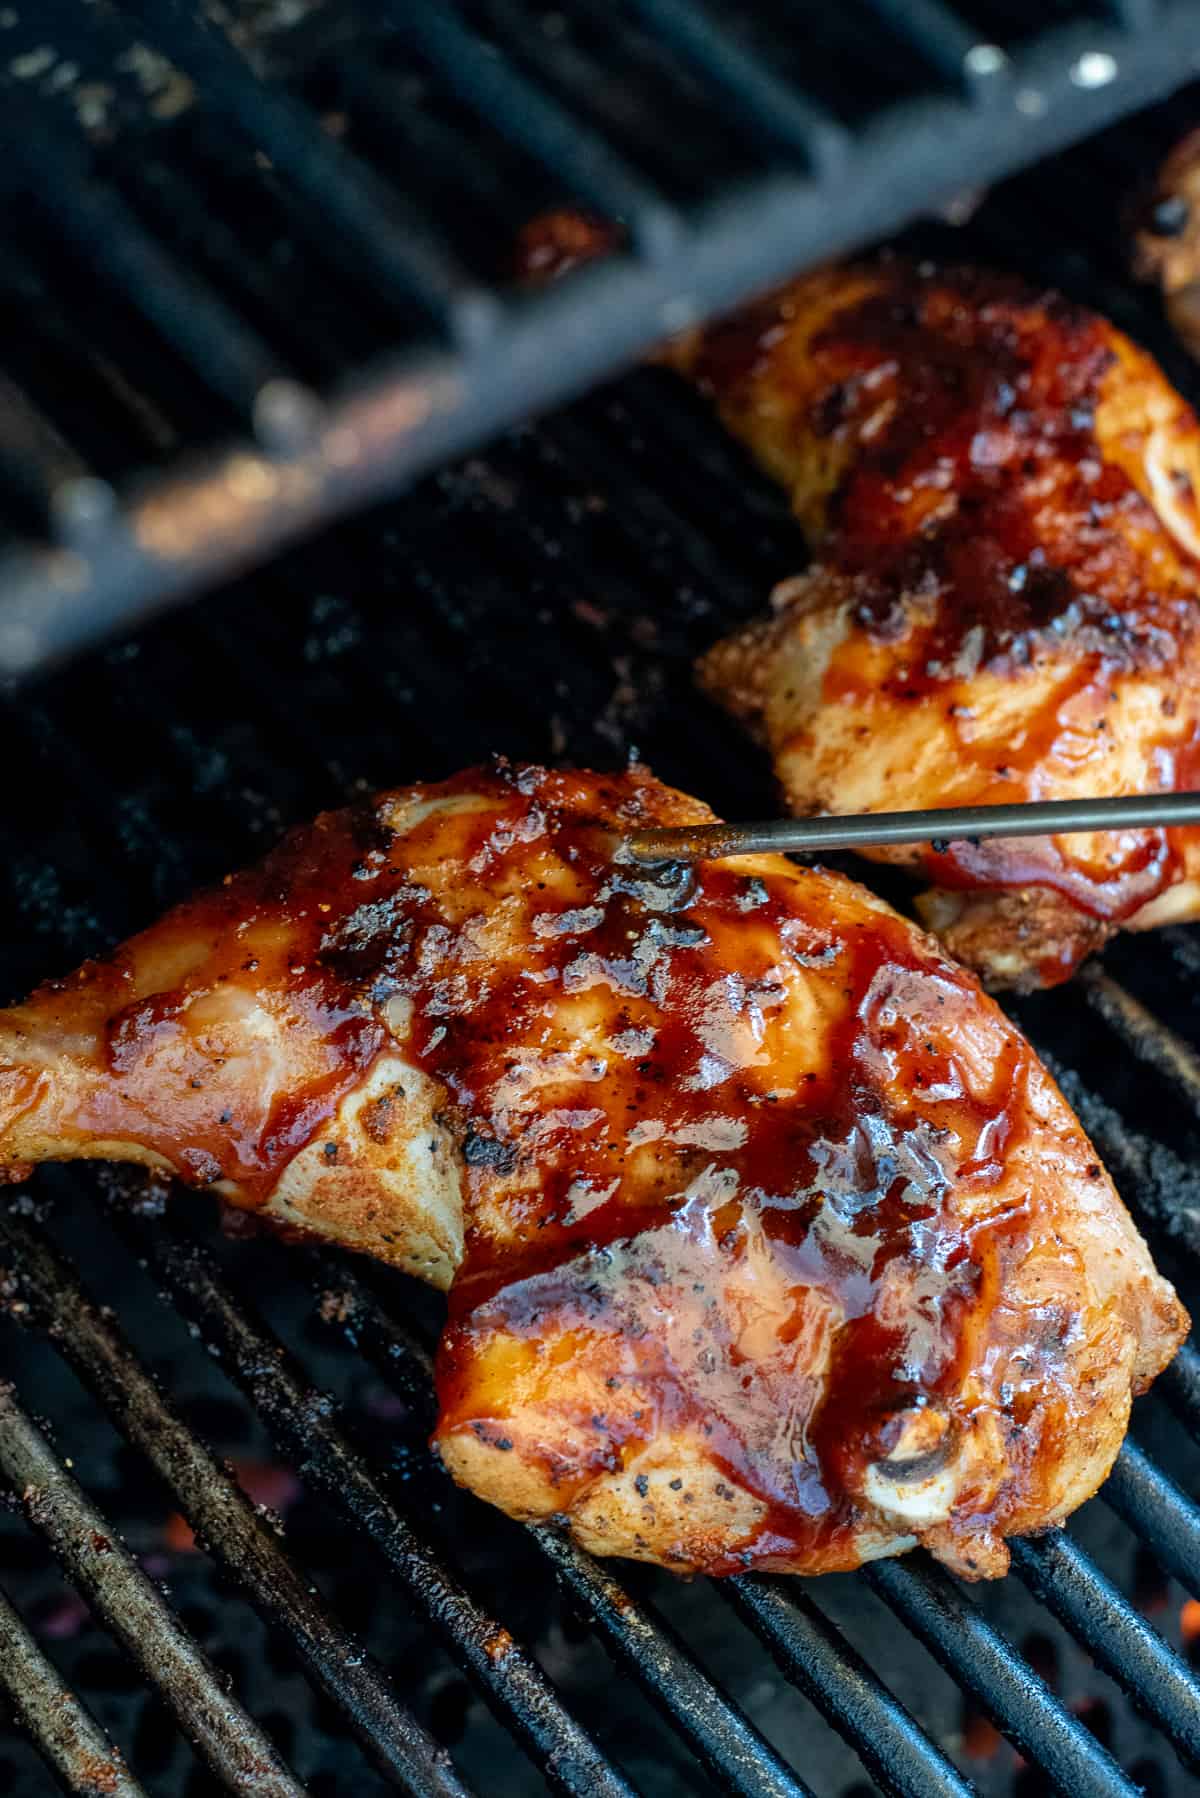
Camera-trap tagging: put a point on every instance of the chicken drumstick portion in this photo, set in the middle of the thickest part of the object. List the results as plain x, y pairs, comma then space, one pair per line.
768, 1239
1000, 492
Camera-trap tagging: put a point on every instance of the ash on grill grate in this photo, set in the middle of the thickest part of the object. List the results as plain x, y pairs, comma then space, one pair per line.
545, 599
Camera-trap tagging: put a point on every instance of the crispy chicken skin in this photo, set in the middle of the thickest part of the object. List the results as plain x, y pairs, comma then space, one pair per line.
1000, 493
768, 1239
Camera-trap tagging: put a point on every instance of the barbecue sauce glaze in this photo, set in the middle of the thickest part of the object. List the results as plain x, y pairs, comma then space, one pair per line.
977, 462
987, 523
738, 1141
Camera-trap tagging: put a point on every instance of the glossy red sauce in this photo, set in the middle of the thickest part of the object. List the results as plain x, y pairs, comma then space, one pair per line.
178, 1080
842, 1172
826, 1158
984, 529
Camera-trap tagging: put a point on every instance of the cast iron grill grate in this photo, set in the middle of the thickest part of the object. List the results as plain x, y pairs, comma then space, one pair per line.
373, 163
546, 599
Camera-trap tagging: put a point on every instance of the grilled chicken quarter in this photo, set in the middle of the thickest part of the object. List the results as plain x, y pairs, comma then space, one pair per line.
768, 1240
1000, 493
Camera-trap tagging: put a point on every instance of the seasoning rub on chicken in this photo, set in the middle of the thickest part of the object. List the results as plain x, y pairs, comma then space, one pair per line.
768, 1239
1000, 494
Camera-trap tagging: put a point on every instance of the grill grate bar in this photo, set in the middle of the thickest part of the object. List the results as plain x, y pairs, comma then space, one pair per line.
111, 241
1018, 1702
1152, 1041
638, 1640
902, 156
301, 1422
1059, 1574
742, 1760
1158, 1187
947, 45
817, 1657
808, 1650
350, 203
1179, 1384
648, 520
763, 103
36, 463
1185, 951
229, 1740
223, 1518
227, 1526
377, 98
122, 408
548, 346
175, 202
497, 92
68, 1736
1163, 1516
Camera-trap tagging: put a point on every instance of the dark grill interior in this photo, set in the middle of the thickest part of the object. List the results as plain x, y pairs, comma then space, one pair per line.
544, 599
298, 215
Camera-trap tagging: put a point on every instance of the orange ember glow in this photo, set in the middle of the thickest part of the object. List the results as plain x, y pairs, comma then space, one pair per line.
980, 1737
267, 1486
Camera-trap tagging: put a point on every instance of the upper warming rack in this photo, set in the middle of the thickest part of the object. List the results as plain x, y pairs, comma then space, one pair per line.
274, 236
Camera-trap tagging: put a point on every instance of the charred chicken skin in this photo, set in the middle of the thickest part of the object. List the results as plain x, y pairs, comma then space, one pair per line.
768, 1239
1000, 494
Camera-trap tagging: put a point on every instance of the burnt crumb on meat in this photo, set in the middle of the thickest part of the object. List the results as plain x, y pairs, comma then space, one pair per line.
487, 1151
378, 1117
372, 941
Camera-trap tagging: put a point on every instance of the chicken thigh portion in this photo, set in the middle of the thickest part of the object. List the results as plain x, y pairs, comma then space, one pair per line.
1000, 493
768, 1239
